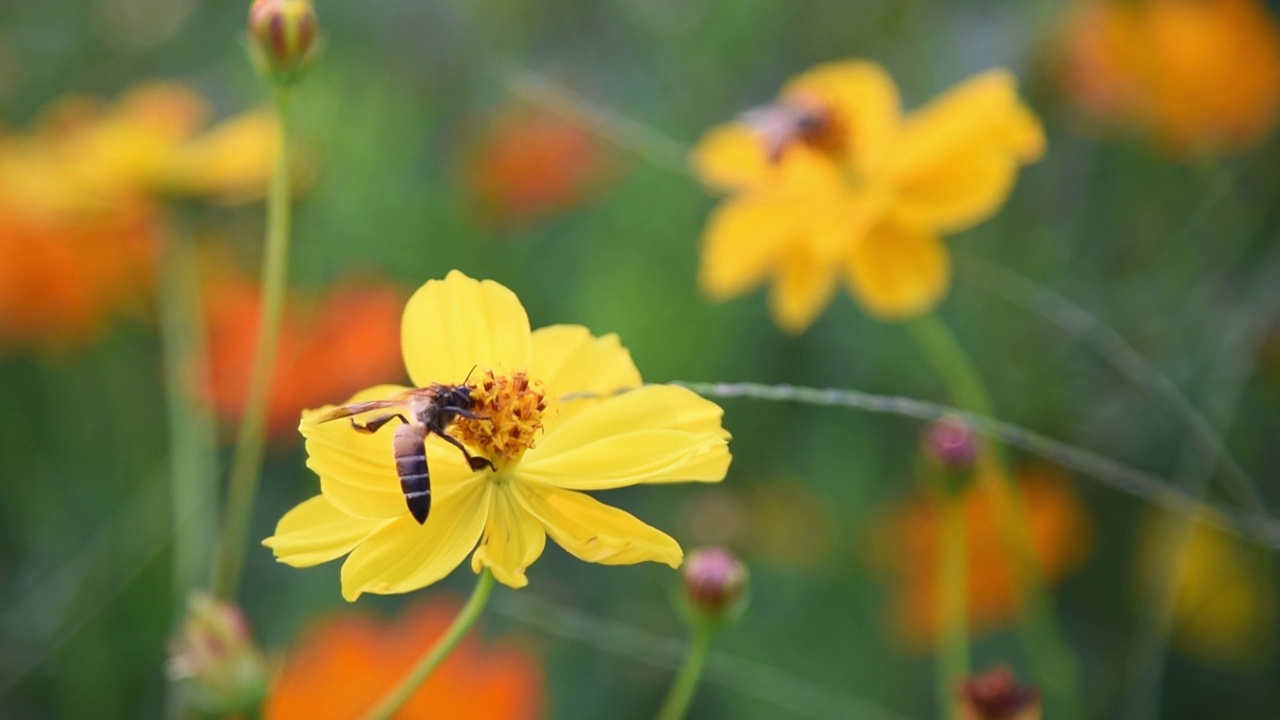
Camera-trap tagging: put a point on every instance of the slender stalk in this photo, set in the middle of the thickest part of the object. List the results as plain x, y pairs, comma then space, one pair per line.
246, 464
686, 683
193, 458
953, 611
409, 684
1055, 665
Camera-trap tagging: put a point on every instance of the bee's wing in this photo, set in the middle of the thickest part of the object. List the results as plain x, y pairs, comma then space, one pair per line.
357, 408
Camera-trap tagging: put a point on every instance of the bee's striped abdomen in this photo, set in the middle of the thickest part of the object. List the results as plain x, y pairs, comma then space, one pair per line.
410, 450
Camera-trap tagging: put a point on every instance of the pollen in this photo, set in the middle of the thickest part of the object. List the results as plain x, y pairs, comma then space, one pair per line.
508, 411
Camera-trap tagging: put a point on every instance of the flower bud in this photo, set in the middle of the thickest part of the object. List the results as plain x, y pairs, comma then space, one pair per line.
283, 34
997, 695
714, 581
950, 442
216, 658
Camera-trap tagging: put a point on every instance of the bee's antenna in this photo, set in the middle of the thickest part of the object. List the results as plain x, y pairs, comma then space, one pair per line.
468, 377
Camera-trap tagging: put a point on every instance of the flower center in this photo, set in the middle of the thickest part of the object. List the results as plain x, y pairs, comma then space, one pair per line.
509, 413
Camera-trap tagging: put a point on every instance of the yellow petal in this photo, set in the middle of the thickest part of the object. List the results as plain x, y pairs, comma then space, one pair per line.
645, 456
316, 532
453, 325
802, 288
569, 359
594, 532
232, 162
357, 470
512, 540
966, 190
898, 272
655, 434
403, 555
742, 241
983, 111
731, 158
865, 102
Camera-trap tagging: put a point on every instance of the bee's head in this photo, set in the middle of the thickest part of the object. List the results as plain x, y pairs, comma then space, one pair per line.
459, 396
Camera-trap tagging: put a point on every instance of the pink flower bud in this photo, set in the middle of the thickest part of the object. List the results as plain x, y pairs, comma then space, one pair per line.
714, 580
216, 657
284, 34
951, 443
997, 695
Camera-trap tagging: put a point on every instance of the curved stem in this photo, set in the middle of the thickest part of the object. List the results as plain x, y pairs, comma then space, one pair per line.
953, 612
409, 684
246, 464
686, 682
1055, 666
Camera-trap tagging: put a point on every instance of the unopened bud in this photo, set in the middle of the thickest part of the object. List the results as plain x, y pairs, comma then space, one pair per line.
950, 442
714, 581
216, 658
997, 695
284, 34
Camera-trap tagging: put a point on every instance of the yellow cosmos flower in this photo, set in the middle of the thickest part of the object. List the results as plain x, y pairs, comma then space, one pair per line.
833, 183
547, 444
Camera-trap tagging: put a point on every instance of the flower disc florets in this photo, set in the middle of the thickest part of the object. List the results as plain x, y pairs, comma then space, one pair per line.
509, 415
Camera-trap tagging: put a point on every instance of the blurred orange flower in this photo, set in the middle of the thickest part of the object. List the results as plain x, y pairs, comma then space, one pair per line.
532, 164
1201, 75
330, 345
346, 664
906, 541
69, 262
1223, 592
64, 277
834, 184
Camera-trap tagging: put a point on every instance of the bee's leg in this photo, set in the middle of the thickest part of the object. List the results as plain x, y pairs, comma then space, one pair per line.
466, 413
477, 463
372, 426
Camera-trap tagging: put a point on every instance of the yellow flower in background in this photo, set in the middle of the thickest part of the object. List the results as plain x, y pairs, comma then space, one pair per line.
834, 184
1224, 594
546, 447
150, 141
1201, 75
904, 547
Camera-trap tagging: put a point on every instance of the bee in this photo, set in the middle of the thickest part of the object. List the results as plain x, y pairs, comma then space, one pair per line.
422, 411
782, 125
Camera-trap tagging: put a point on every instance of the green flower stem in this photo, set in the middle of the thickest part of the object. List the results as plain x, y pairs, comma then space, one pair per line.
246, 464
686, 684
409, 684
1055, 665
953, 612
193, 457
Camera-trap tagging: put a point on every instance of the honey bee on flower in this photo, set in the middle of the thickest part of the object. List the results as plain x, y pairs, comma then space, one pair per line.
541, 453
834, 184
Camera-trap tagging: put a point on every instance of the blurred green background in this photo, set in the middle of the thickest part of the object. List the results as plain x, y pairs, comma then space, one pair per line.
1178, 257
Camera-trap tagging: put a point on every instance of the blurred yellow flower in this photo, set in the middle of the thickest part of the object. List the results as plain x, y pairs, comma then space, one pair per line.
1202, 75
148, 142
833, 183
80, 221
1224, 598
906, 541
546, 448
